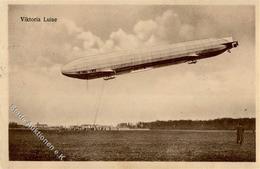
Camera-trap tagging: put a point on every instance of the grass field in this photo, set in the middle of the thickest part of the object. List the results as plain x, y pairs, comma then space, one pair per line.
160, 145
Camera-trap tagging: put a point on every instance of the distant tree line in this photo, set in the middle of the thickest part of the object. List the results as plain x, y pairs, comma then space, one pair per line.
15, 125
216, 124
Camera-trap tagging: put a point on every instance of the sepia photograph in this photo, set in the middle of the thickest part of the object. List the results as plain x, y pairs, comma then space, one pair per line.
131, 82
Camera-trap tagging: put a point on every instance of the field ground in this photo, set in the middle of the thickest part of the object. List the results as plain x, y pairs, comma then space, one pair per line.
152, 145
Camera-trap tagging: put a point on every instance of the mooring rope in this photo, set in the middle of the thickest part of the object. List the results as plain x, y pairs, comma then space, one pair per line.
98, 105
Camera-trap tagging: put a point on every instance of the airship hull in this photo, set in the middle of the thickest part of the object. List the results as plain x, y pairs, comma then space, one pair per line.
128, 61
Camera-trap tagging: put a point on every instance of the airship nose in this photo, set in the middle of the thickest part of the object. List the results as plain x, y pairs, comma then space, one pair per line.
65, 69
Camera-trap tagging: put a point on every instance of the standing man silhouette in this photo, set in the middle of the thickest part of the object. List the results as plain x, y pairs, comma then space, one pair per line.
240, 134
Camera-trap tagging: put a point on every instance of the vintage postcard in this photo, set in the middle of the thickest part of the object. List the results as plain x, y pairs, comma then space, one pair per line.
129, 84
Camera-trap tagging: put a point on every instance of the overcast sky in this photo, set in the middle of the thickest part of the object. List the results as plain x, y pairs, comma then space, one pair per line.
222, 86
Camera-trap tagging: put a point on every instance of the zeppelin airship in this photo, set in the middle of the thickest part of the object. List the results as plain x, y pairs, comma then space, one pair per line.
109, 65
